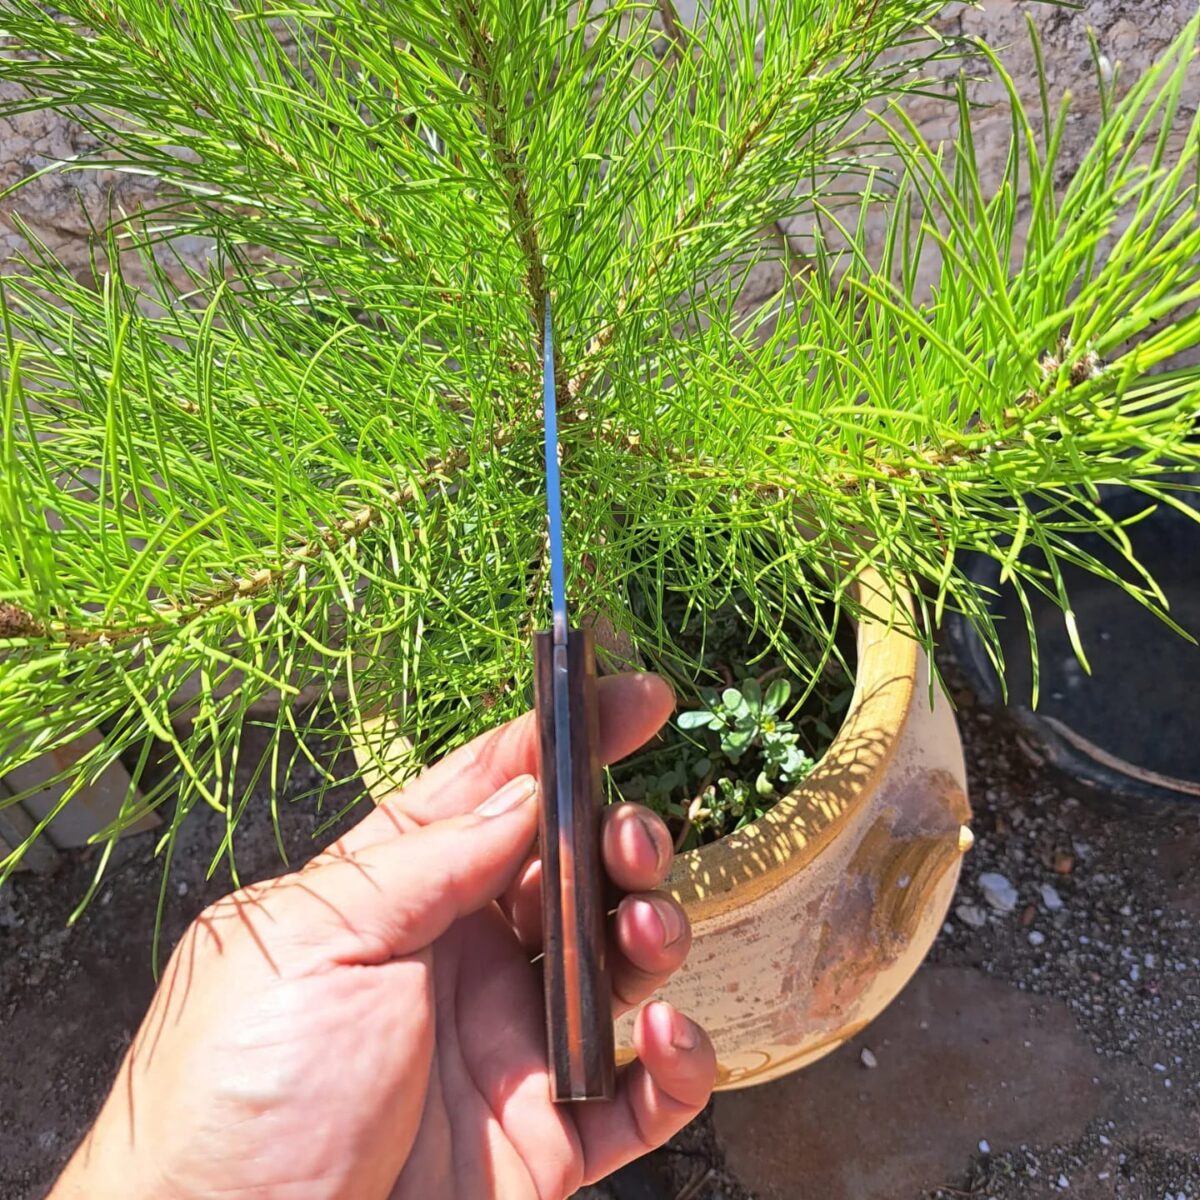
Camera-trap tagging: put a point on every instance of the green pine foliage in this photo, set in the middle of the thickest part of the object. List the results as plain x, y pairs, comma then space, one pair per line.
313, 470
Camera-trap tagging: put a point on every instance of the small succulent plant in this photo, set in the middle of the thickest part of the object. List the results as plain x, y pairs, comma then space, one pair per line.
747, 719
725, 737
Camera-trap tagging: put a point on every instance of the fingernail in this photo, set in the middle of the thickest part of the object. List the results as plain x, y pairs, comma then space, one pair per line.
674, 925
656, 847
681, 1033
514, 793
685, 1034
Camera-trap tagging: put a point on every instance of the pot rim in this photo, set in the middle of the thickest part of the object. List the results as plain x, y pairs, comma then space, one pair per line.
734, 870
1081, 765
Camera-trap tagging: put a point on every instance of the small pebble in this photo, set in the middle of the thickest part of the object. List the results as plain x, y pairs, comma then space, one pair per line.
1050, 898
1063, 1183
972, 915
998, 892
1036, 938
868, 1059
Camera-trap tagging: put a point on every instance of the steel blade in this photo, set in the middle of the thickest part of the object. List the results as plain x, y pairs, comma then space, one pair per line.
558, 583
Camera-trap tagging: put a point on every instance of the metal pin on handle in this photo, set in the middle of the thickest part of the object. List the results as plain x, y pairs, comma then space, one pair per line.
579, 1027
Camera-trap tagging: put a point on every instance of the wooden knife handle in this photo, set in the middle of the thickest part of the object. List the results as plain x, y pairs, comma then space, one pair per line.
579, 1021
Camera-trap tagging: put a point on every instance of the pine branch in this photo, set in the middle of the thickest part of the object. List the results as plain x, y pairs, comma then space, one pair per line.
494, 120
738, 149
256, 136
288, 467
673, 28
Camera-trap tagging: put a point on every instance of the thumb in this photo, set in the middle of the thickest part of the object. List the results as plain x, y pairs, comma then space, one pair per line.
401, 893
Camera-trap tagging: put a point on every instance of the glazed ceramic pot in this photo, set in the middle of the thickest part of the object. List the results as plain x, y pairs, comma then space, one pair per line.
808, 922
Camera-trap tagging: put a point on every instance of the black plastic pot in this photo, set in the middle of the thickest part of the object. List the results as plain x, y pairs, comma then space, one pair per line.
1131, 728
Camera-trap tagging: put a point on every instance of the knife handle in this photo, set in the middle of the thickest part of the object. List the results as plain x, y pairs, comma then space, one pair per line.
579, 1020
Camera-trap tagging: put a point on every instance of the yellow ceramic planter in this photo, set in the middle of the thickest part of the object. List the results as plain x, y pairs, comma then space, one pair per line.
809, 921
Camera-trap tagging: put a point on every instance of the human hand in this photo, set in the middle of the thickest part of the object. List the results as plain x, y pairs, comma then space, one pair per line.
371, 1025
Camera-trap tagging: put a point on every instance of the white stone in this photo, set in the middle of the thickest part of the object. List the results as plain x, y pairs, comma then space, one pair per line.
998, 892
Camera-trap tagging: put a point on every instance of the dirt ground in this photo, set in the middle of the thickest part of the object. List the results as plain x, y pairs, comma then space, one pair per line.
1052, 1049
1058, 1041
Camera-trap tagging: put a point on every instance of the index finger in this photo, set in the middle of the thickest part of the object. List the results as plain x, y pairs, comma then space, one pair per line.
633, 708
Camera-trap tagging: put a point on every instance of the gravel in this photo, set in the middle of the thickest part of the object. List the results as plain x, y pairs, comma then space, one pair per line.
1115, 945
1106, 920
998, 892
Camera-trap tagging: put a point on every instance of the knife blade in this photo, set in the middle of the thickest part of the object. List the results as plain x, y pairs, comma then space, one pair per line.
579, 1026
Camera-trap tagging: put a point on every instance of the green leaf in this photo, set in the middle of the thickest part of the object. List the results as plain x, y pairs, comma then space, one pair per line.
778, 691
795, 765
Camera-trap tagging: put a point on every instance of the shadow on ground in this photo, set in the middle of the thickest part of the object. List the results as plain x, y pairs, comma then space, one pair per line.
71, 997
